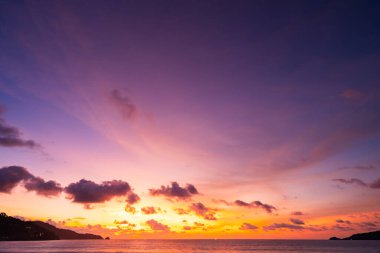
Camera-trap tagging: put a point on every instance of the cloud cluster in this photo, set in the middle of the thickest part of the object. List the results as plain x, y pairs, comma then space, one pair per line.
11, 136
202, 211
175, 192
89, 192
12, 176
155, 225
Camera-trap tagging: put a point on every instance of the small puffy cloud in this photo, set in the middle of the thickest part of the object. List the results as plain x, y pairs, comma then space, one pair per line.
297, 221
123, 103
255, 204
198, 224
155, 225
203, 211
87, 192
130, 209
11, 176
187, 227
247, 226
150, 210
175, 191
297, 213
288, 226
181, 211
11, 136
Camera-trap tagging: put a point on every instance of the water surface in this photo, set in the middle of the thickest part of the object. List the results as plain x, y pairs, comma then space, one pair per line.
187, 246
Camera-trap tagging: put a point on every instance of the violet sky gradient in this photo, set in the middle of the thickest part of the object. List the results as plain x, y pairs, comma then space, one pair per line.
266, 101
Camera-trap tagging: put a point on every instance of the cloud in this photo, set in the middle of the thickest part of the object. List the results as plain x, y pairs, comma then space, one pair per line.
155, 225
343, 221
276, 226
132, 198
187, 227
297, 221
87, 192
247, 226
181, 211
297, 213
255, 204
130, 209
375, 184
42, 187
11, 176
176, 192
350, 181
150, 210
360, 167
123, 103
203, 211
11, 136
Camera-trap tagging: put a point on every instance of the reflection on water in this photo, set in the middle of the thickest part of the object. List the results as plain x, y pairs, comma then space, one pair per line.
187, 246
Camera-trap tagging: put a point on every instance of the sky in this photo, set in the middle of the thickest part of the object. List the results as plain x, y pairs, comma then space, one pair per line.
191, 119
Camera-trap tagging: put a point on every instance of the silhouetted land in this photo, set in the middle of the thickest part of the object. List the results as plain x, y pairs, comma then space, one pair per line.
13, 229
363, 236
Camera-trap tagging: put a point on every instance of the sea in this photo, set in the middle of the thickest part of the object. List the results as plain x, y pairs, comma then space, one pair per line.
189, 246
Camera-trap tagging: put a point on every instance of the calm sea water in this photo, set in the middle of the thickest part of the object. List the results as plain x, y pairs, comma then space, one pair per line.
187, 246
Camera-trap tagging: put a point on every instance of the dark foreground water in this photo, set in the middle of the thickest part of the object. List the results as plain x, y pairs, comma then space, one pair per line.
187, 246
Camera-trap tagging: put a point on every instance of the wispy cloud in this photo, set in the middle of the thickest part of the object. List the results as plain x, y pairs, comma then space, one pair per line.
11, 136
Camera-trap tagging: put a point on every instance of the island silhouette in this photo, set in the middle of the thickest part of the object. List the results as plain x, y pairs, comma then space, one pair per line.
13, 229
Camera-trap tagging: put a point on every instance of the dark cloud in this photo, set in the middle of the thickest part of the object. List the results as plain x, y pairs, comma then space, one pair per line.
247, 226
343, 221
11, 176
198, 224
297, 221
203, 211
123, 103
255, 204
350, 181
42, 187
176, 192
11, 136
132, 198
276, 226
155, 225
150, 210
87, 192
297, 213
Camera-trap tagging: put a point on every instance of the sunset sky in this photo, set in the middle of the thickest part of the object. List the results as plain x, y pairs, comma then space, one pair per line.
191, 119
